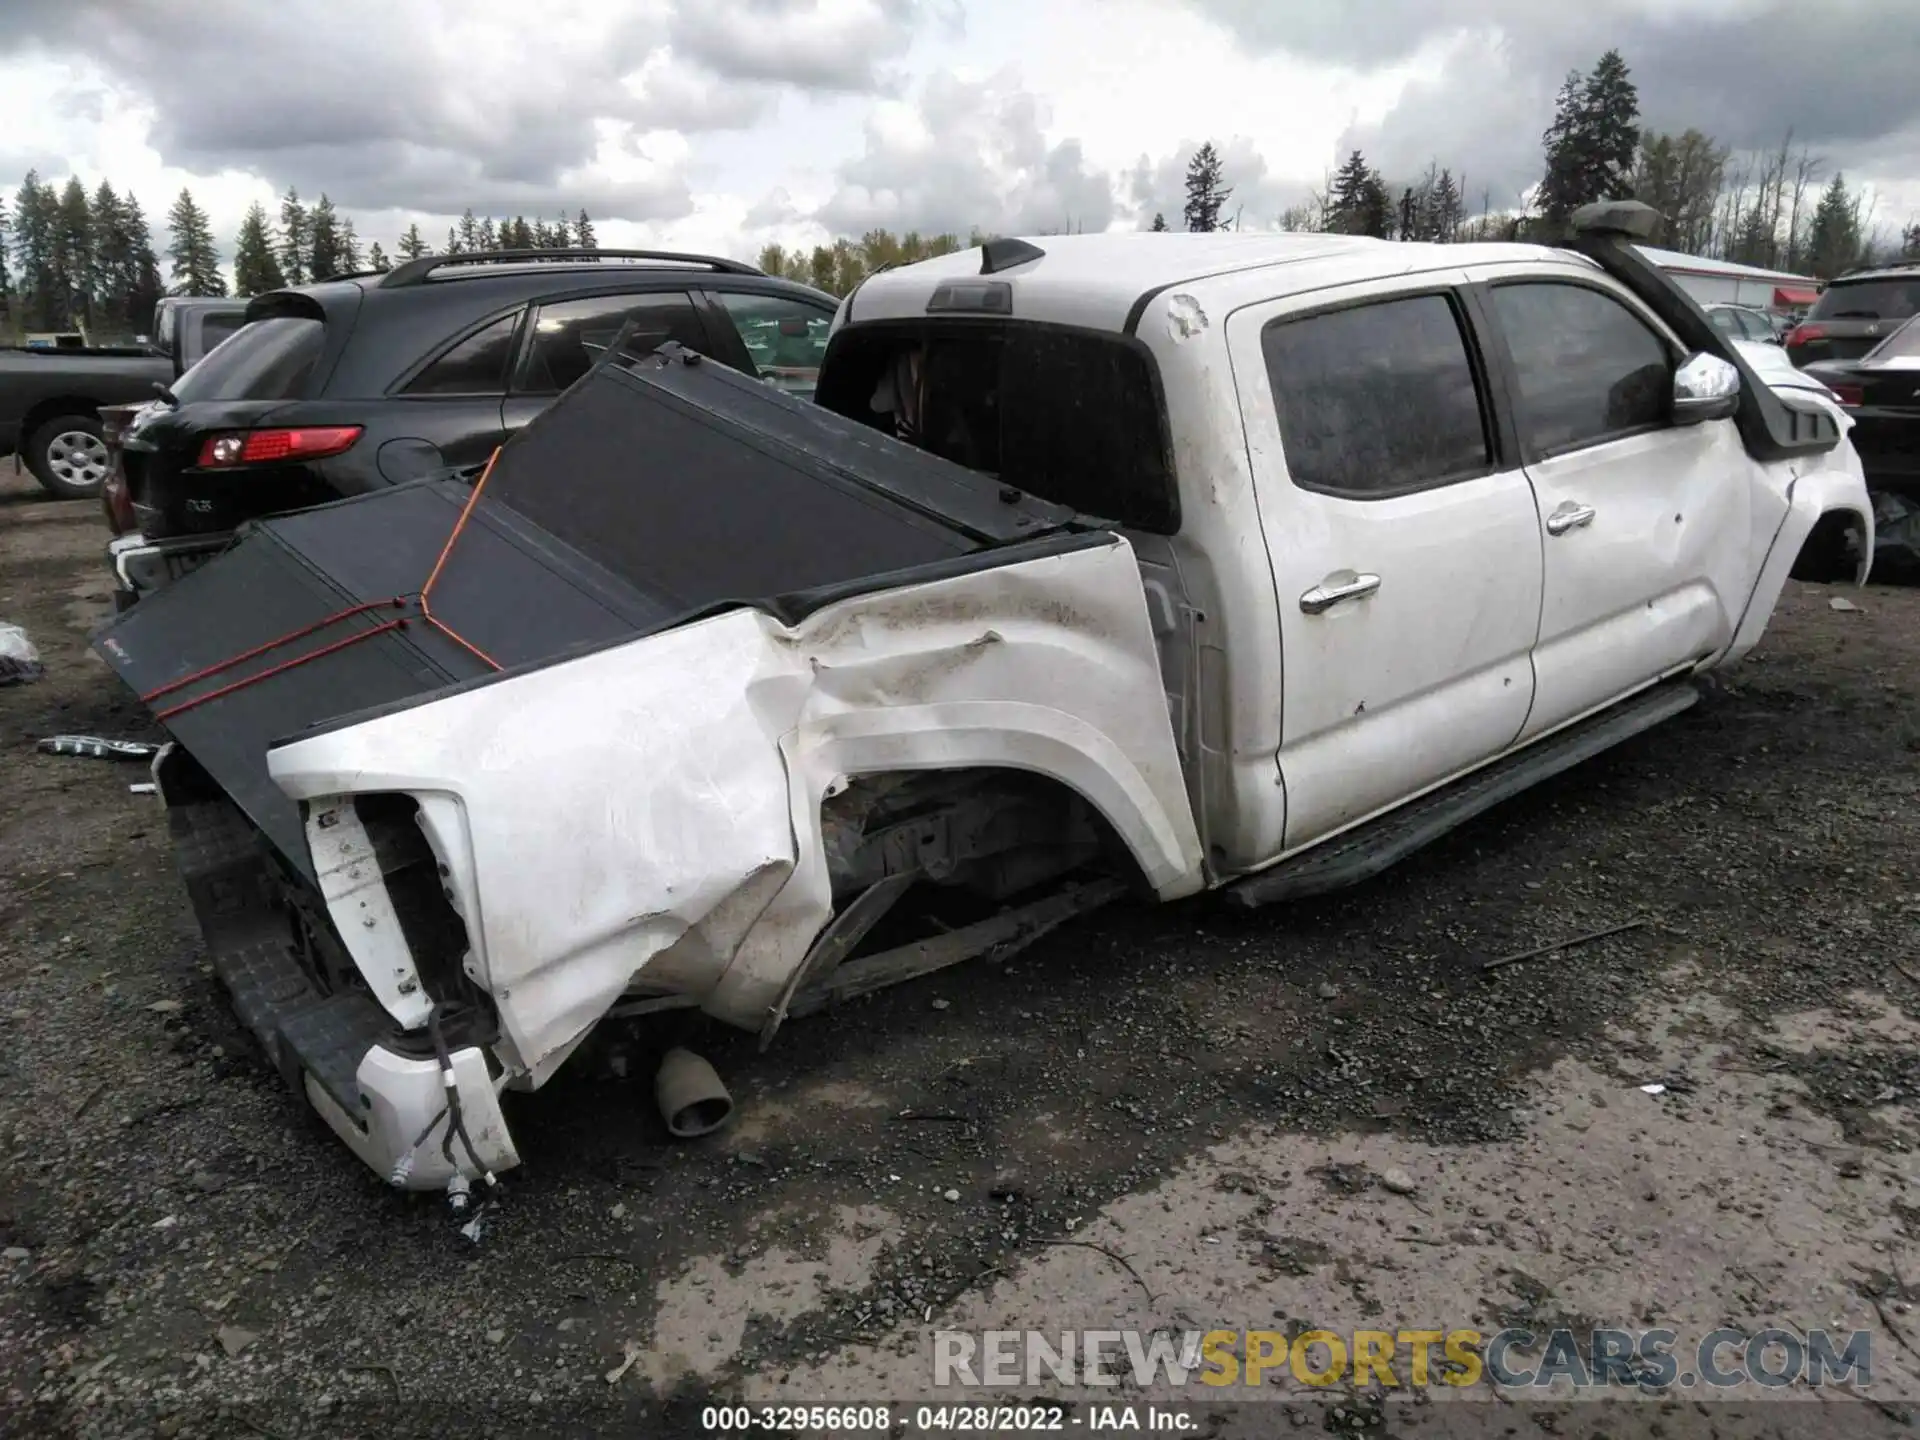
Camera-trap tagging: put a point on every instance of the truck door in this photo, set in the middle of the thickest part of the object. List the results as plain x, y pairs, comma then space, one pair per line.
1646, 526
1405, 546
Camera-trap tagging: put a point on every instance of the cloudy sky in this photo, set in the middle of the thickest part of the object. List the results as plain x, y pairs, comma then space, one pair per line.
720, 125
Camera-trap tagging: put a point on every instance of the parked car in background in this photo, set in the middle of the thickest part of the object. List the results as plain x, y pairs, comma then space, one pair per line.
191, 325
356, 384
1743, 322
1881, 390
51, 397
1855, 313
715, 678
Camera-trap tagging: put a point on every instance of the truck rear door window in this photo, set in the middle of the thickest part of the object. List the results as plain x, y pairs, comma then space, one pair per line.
1377, 399
1074, 417
267, 360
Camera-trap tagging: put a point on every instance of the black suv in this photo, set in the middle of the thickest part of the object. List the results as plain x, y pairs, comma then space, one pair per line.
371, 380
1855, 313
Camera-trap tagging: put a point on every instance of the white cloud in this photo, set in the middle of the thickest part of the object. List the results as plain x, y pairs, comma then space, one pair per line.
725, 124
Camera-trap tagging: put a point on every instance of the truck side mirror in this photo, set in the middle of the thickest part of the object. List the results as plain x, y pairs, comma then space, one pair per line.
1705, 388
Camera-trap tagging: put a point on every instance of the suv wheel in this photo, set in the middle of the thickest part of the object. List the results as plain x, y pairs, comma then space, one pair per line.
68, 457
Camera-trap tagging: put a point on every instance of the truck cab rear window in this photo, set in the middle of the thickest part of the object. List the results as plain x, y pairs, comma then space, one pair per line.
267, 360
1070, 416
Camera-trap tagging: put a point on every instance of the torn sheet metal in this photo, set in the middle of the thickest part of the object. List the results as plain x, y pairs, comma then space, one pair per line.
655, 805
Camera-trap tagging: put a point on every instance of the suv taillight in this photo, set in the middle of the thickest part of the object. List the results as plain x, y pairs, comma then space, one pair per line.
1805, 335
1851, 396
264, 447
118, 504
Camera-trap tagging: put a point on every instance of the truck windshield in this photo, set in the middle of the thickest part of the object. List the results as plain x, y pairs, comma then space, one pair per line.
267, 360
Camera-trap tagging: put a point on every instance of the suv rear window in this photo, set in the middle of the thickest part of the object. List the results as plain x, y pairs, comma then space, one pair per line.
1894, 298
267, 360
1074, 417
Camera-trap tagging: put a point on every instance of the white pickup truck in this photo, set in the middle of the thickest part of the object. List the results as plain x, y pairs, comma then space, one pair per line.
1310, 548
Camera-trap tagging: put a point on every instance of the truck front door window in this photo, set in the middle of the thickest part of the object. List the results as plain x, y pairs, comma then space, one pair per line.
1588, 369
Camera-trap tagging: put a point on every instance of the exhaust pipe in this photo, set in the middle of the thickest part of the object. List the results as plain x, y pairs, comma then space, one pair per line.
691, 1098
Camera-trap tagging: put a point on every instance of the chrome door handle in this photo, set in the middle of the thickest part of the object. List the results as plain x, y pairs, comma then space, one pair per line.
1570, 516
1326, 596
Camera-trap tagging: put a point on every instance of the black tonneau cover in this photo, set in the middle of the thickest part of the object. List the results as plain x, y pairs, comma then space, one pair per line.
654, 491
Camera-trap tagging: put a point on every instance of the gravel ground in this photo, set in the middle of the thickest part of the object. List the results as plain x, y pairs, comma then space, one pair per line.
1326, 1114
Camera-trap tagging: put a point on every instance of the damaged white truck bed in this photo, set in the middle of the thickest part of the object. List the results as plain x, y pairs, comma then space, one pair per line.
1157, 562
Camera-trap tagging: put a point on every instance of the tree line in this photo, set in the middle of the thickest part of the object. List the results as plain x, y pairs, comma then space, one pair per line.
72, 259
1767, 209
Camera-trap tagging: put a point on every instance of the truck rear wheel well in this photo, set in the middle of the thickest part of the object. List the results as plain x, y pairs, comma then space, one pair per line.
1834, 548
994, 832
53, 406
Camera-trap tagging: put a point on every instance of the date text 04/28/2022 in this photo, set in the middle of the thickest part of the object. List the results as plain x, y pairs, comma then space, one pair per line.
944, 1419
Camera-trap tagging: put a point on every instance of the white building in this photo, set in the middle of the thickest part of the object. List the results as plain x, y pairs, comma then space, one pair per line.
1721, 282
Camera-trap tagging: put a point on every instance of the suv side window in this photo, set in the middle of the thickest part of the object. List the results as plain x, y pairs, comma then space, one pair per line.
570, 335
475, 365
1587, 368
1377, 399
784, 337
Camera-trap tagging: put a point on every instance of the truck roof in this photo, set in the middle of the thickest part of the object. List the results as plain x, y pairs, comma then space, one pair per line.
1103, 281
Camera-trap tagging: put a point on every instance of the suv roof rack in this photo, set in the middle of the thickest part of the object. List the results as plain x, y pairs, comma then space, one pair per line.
415, 272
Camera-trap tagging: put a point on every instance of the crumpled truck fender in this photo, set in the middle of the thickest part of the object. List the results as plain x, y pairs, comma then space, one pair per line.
1835, 482
655, 805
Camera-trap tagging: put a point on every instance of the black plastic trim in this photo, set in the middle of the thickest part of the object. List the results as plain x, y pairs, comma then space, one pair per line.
1771, 427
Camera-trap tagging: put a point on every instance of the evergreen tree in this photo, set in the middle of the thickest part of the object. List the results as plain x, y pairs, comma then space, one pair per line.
489, 240
296, 239
583, 236
6, 276
521, 236
35, 218
1444, 208
1358, 203
1592, 142
1909, 246
110, 261
1413, 217
143, 266
469, 231
1159, 222
1833, 244
256, 269
1205, 193
196, 263
453, 242
350, 262
377, 258
71, 257
323, 241
412, 244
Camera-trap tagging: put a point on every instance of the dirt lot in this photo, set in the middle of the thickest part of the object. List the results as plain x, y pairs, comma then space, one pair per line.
1323, 1116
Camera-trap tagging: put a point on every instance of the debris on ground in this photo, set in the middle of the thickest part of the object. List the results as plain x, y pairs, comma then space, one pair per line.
233, 1339
1840, 602
19, 661
1559, 945
1395, 1179
95, 748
